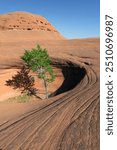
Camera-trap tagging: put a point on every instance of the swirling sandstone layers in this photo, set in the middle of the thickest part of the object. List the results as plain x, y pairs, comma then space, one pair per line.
69, 121
66, 122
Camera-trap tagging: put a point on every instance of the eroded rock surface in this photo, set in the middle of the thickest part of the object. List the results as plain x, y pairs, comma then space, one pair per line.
68, 121
24, 21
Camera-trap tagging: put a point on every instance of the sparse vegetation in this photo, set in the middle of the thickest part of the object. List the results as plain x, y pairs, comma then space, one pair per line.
38, 61
20, 99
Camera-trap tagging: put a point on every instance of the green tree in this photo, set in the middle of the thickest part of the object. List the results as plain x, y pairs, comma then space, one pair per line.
39, 61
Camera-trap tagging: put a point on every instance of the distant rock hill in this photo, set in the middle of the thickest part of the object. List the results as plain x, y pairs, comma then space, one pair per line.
23, 21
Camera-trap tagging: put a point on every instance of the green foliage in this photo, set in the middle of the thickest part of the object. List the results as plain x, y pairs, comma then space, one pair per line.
38, 60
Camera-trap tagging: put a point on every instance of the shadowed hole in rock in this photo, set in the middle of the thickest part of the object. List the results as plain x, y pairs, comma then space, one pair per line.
48, 29
72, 74
29, 28
10, 28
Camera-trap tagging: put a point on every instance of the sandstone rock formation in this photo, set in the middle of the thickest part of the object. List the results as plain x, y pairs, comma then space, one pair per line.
24, 21
68, 121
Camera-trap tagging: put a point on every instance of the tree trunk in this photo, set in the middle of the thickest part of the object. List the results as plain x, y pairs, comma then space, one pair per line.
46, 89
